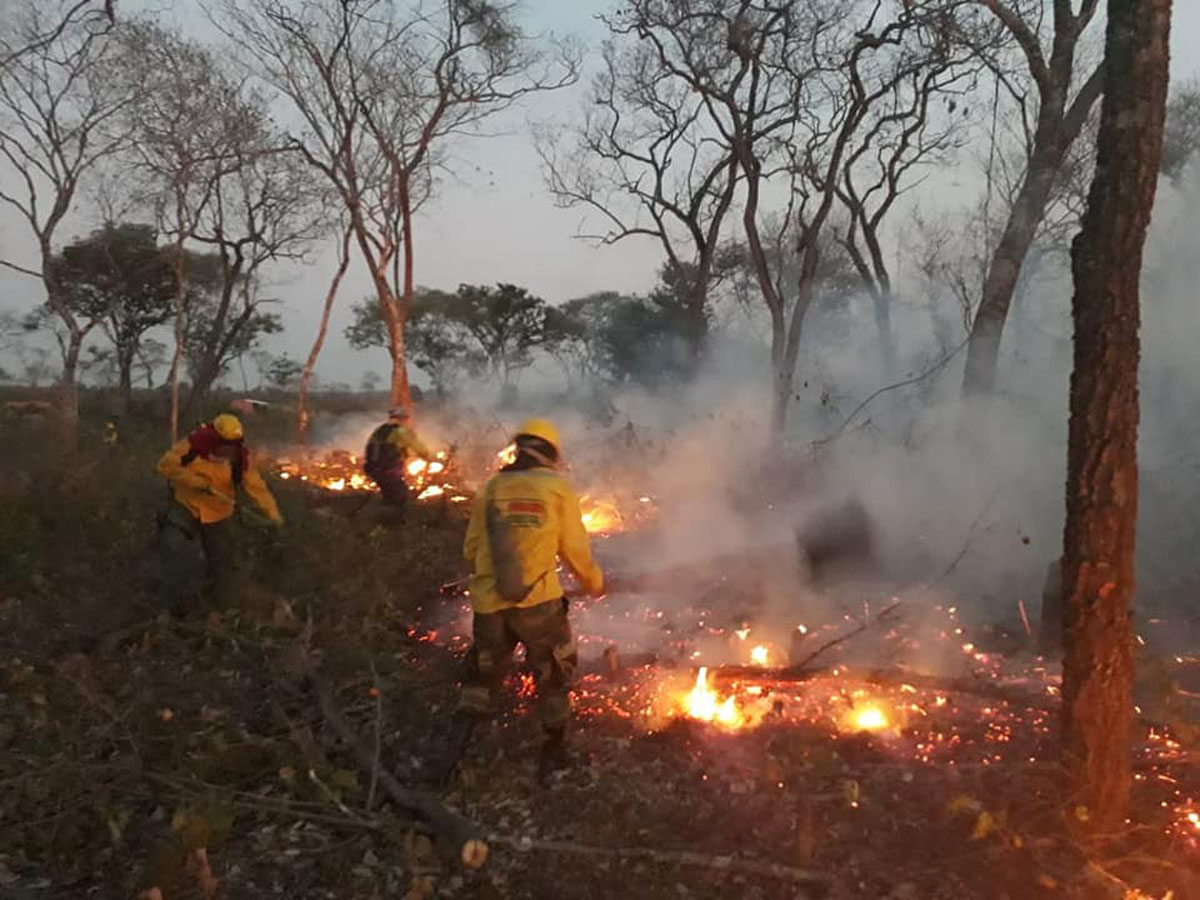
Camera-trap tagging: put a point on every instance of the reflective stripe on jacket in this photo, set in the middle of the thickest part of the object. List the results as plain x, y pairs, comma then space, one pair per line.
204, 487
542, 510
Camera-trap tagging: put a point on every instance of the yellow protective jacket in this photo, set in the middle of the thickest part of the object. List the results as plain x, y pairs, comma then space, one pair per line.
205, 486
542, 510
406, 441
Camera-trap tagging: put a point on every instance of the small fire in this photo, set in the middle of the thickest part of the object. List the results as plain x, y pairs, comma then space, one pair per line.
703, 704
340, 471
760, 656
507, 456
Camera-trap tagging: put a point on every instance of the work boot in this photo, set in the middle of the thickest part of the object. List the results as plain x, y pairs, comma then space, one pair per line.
442, 769
554, 756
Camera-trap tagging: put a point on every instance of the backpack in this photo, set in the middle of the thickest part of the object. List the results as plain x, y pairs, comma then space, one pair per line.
382, 455
506, 561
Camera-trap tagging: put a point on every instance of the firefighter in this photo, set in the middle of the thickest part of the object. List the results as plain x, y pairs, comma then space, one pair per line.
112, 434
205, 471
387, 454
525, 519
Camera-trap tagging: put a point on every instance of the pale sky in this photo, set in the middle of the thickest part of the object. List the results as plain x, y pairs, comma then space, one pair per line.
493, 221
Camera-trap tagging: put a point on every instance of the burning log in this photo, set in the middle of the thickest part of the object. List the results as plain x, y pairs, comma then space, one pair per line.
977, 687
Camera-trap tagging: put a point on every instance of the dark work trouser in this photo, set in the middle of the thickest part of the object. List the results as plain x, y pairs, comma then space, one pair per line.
549, 649
394, 490
196, 565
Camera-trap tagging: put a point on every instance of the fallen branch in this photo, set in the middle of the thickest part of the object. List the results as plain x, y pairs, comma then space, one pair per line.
883, 616
452, 831
672, 858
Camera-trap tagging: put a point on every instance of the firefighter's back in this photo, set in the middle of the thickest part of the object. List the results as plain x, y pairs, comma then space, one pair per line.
532, 504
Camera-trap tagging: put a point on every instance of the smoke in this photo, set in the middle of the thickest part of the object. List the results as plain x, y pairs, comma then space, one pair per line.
965, 498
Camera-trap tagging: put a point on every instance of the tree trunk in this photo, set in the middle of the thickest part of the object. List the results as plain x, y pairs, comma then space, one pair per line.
1102, 481
125, 381
310, 364
179, 266
983, 346
401, 394
70, 368
697, 322
882, 301
785, 364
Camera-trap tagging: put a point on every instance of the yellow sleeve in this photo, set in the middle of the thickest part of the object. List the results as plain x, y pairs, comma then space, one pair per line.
258, 491
406, 439
171, 467
575, 547
476, 529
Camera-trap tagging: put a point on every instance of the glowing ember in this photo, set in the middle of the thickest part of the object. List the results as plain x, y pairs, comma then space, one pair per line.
434, 490
869, 718
704, 705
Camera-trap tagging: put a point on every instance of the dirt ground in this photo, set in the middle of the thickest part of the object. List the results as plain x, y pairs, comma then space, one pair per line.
130, 740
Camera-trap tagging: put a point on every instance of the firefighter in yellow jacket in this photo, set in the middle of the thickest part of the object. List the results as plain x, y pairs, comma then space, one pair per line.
386, 457
205, 472
524, 520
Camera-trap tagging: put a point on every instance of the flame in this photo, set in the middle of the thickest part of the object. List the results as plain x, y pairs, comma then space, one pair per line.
760, 656
434, 490
600, 516
869, 718
508, 455
416, 466
703, 704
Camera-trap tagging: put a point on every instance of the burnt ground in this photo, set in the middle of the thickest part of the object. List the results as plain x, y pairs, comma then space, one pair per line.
128, 740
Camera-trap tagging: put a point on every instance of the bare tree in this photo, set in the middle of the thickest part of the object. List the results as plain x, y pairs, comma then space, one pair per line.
1054, 100
60, 105
94, 14
1102, 474
263, 210
642, 162
380, 89
178, 155
909, 134
798, 92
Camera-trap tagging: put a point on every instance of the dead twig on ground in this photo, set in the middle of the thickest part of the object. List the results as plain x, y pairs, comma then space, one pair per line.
452, 830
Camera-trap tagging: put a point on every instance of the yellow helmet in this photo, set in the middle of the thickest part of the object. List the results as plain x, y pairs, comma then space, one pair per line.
543, 429
228, 427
